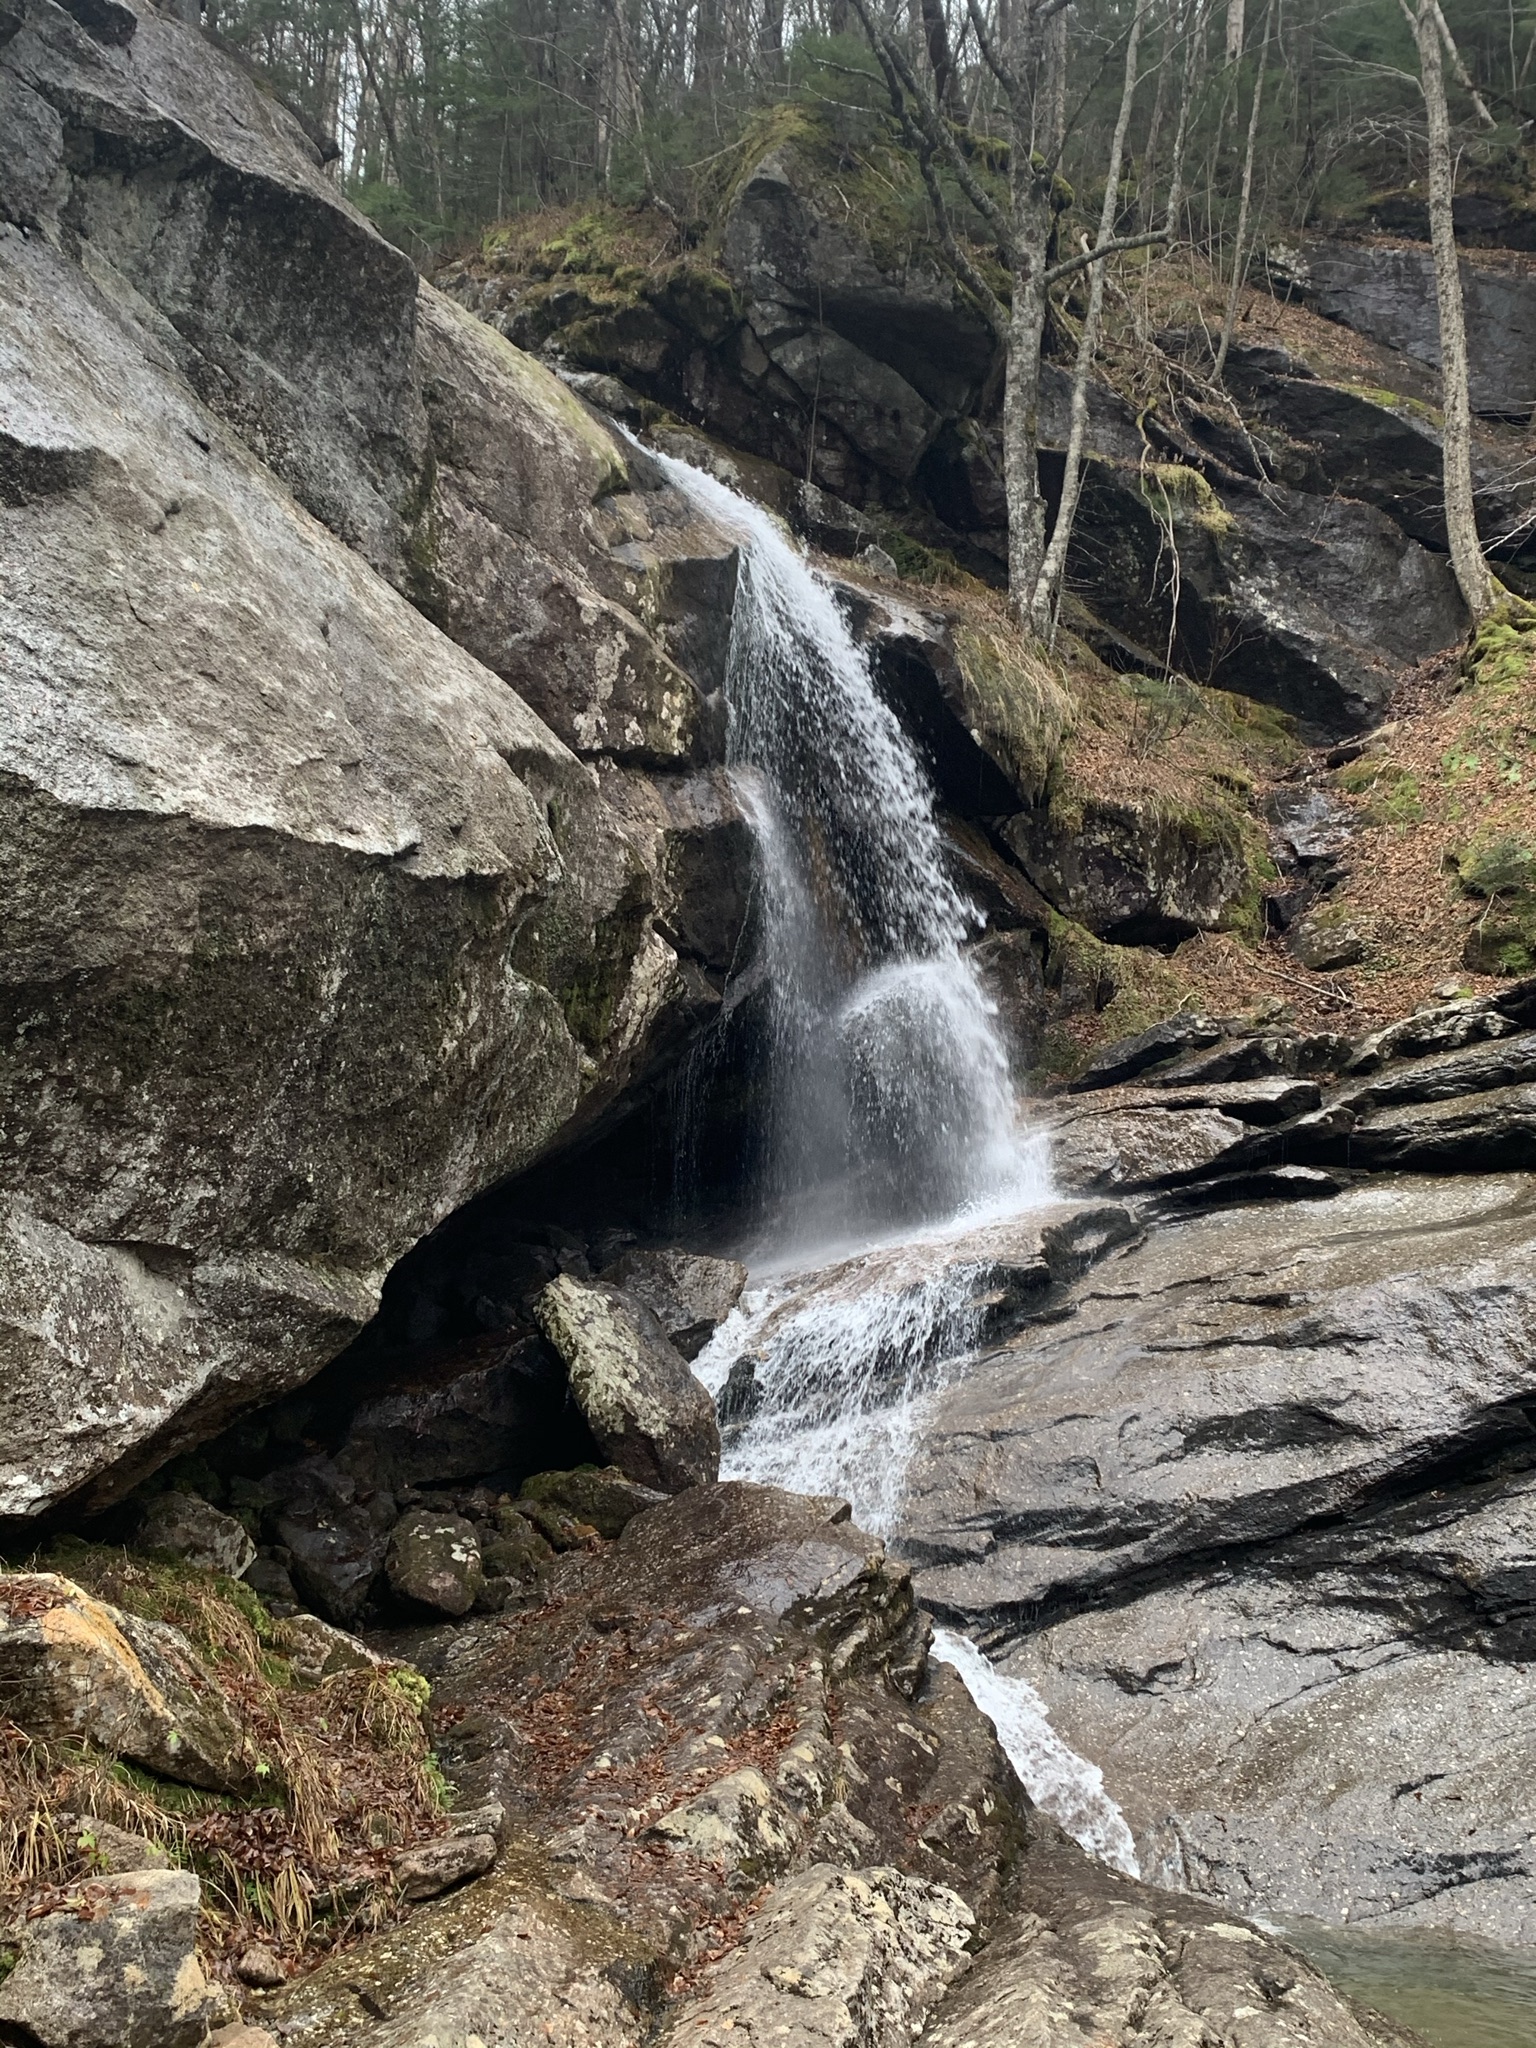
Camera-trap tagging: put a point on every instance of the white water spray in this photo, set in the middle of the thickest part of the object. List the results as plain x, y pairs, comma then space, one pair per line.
1061, 1783
890, 1093
894, 1131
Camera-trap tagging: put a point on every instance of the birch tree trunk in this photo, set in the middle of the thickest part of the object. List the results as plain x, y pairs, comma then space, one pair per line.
1046, 600
1476, 584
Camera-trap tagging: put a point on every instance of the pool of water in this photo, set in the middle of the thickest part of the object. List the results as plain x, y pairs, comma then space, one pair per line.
1455, 1991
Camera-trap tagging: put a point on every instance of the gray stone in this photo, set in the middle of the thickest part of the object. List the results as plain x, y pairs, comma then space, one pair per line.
1327, 940
649, 1414
1337, 1722
73, 1669
189, 1528
121, 1973
604, 1499
335, 1533
1134, 873
259, 1967
837, 1959
434, 1562
114, 1850
317, 1651
1307, 603
1124, 1965
432, 1868
1443, 1027
690, 1295
1121, 1148
1311, 824
1388, 293
1129, 1057
516, 1550
1220, 1383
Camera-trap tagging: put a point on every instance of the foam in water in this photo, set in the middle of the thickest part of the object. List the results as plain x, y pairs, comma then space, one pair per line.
1061, 1783
890, 1093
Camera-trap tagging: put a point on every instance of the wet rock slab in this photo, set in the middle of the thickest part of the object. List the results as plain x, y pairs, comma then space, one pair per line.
1255, 1520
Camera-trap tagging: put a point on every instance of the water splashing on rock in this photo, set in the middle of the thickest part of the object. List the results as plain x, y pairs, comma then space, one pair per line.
1061, 1783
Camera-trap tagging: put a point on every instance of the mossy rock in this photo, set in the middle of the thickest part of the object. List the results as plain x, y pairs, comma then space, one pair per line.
1015, 701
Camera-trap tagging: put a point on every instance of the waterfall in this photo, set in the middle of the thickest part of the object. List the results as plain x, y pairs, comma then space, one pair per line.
891, 1122
889, 1098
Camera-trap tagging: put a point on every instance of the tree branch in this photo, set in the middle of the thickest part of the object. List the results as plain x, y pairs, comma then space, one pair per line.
1081, 261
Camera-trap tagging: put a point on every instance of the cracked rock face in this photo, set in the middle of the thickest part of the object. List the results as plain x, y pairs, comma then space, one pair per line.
740, 1805
1255, 1520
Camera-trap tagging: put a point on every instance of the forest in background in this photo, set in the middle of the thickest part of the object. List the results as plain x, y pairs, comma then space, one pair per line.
450, 114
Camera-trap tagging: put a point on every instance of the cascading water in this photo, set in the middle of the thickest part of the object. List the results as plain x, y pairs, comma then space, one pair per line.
893, 1133
890, 1100
891, 1111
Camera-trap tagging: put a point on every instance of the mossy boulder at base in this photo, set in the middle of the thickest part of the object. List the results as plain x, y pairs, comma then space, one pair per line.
74, 1669
649, 1414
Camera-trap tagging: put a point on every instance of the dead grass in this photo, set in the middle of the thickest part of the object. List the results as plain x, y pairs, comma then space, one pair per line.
346, 1767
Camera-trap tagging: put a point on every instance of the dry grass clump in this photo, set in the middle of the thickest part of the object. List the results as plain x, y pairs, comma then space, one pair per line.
346, 1770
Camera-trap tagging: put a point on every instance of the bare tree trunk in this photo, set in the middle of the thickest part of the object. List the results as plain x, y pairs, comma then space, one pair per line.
1476, 584
1197, 25
1240, 253
1021, 389
1235, 30
946, 83
1046, 599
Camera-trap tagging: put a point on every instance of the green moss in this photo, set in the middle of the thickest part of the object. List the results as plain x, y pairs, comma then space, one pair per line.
1179, 495
1123, 989
1503, 649
1496, 862
590, 997
1016, 704
920, 564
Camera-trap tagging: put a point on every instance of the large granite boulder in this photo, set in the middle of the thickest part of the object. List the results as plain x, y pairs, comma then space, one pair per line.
317, 928
1308, 603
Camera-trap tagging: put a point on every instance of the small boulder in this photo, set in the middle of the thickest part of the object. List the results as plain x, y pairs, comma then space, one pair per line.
689, 1294
241, 2034
1137, 1148
74, 1669
649, 1414
599, 1496
517, 1550
334, 1532
317, 1651
1128, 1057
434, 1562
435, 1867
117, 1970
112, 1851
259, 1967
1326, 941
189, 1528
